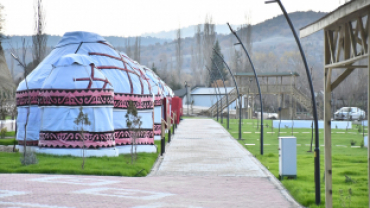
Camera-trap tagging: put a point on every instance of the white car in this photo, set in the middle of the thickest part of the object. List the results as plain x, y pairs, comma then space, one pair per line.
266, 115
349, 113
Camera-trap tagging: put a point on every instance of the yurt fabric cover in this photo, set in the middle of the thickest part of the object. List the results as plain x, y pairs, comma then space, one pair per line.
158, 92
74, 84
128, 81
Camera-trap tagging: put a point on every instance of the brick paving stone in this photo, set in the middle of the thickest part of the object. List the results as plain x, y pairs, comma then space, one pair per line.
207, 168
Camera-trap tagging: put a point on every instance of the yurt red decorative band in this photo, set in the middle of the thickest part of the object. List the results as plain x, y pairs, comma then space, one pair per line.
147, 101
121, 100
157, 129
93, 78
83, 97
106, 55
157, 100
124, 137
68, 139
29, 142
27, 97
116, 67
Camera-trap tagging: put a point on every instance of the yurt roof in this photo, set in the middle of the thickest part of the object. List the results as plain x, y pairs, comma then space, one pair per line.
106, 58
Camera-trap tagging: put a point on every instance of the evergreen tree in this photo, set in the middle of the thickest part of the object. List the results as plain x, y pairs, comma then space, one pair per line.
154, 69
215, 74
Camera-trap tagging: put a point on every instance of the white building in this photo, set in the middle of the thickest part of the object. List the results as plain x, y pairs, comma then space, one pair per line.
206, 97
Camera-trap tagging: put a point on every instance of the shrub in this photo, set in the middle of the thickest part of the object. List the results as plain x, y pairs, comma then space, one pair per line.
270, 155
353, 142
3, 132
29, 159
359, 129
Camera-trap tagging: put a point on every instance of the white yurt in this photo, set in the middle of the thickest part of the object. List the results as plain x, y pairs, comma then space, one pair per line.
76, 85
158, 97
122, 73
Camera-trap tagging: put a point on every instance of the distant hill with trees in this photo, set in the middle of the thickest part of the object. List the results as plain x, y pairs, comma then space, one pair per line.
272, 47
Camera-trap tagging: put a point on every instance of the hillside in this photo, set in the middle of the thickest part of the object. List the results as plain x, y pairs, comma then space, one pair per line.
272, 36
187, 32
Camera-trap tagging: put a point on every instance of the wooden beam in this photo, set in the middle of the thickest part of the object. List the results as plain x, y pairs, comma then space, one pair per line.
340, 44
336, 16
368, 107
327, 48
347, 42
352, 39
335, 39
341, 78
329, 37
346, 63
353, 67
328, 79
362, 33
327, 140
327, 131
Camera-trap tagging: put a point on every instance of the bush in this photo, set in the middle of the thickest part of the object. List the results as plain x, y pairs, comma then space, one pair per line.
8, 142
29, 159
353, 142
362, 144
270, 155
359, 129
3, 132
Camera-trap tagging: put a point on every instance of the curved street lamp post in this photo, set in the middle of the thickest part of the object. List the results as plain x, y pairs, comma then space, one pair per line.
217, 96
226, 94
258, 84
237, 91
317, 150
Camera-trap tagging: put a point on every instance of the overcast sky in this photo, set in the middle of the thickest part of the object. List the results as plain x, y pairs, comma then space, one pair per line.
135, 17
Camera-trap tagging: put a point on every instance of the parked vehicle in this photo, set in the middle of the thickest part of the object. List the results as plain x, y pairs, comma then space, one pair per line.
267, 115
349, 113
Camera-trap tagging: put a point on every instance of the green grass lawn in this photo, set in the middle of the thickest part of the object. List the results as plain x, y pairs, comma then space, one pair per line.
346, 161
10, 133
8, 141
112, 166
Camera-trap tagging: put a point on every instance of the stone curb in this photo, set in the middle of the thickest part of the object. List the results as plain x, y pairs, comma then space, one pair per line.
158, 162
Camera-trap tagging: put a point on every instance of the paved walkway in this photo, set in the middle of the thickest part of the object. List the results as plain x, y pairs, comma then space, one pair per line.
203, 167
203, 148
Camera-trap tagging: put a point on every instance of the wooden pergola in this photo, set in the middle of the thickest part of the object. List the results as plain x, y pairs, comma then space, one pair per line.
245, 80
346, 41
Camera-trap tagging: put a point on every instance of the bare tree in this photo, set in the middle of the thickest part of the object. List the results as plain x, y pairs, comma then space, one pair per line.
137, 48
1, 22
133, 122
82, 119
28, 157
128, 47
21, 59
199, 53
193, 65
179, 54
39, 40
246, 37
209, 39
6, 83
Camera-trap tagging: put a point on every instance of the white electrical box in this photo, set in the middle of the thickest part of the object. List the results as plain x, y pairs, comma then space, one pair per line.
287, 157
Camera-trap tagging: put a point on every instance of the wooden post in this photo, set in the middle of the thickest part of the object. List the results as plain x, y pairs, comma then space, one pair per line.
168, 121
174, 123
368, 111
327, 127
291, 100
163, 138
